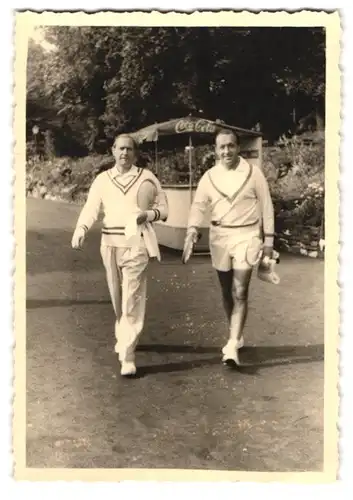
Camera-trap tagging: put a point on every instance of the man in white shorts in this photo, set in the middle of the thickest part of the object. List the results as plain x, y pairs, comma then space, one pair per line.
128, 240
238, 197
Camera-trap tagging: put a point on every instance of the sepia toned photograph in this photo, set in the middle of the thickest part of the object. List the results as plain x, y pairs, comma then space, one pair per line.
177, 231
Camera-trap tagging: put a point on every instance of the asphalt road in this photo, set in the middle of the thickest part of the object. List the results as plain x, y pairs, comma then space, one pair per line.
185, 410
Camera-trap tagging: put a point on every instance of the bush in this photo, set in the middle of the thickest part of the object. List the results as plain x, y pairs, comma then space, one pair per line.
295, 172
63, 178
296, 175
297, 165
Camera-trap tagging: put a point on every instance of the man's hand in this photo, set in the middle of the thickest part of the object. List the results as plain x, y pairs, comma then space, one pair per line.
78, 238
267, 254
266, 269
190, 240
269, 258
141, 218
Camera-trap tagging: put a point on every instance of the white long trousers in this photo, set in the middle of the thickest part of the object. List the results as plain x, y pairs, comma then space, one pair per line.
126, 272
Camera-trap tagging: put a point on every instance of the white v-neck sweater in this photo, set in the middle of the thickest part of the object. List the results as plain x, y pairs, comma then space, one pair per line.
116, 195
236, 197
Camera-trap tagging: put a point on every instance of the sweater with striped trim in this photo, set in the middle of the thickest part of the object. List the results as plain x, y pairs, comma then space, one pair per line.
234, 197
115, 194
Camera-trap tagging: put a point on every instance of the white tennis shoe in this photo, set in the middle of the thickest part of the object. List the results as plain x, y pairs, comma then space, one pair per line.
128, 368
231, 351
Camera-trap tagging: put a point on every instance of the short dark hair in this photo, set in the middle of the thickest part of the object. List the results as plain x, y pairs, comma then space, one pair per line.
127, 136
227, 131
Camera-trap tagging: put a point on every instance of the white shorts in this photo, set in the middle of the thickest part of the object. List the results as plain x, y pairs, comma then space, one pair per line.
238, 247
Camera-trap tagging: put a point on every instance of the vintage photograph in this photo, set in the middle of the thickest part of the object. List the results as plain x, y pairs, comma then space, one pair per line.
174, 202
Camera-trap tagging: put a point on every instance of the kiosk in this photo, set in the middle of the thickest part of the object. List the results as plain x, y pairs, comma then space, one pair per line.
171, 233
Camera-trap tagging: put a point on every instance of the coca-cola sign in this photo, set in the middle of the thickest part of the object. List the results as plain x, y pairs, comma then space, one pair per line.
186, 125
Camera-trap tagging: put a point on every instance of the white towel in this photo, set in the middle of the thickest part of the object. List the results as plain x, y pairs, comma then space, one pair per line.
132, 232
151, 242
133, 236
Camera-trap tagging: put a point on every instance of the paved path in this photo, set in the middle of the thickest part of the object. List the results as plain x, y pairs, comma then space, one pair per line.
185, 410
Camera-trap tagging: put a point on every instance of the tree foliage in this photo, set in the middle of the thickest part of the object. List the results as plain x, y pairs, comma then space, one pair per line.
103, 80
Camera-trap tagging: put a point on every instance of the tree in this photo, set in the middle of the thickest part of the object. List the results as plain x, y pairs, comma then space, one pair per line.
104, 80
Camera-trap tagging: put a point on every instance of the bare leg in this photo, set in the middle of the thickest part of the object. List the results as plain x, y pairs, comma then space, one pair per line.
226, 282
241, 282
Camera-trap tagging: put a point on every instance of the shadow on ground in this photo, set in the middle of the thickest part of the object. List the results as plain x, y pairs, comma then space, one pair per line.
185, 410
252, 359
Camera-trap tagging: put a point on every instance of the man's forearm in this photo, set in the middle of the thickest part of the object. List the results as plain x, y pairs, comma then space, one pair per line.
268, 219
266, 207
268, 240
198, 207
196, 215
160, 211
87, 218
89, 213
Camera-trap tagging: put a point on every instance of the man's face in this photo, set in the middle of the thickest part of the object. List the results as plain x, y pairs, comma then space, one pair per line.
123, 151
227, 149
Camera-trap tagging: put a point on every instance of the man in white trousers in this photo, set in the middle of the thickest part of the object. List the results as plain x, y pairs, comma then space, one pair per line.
128, 239
241, 231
